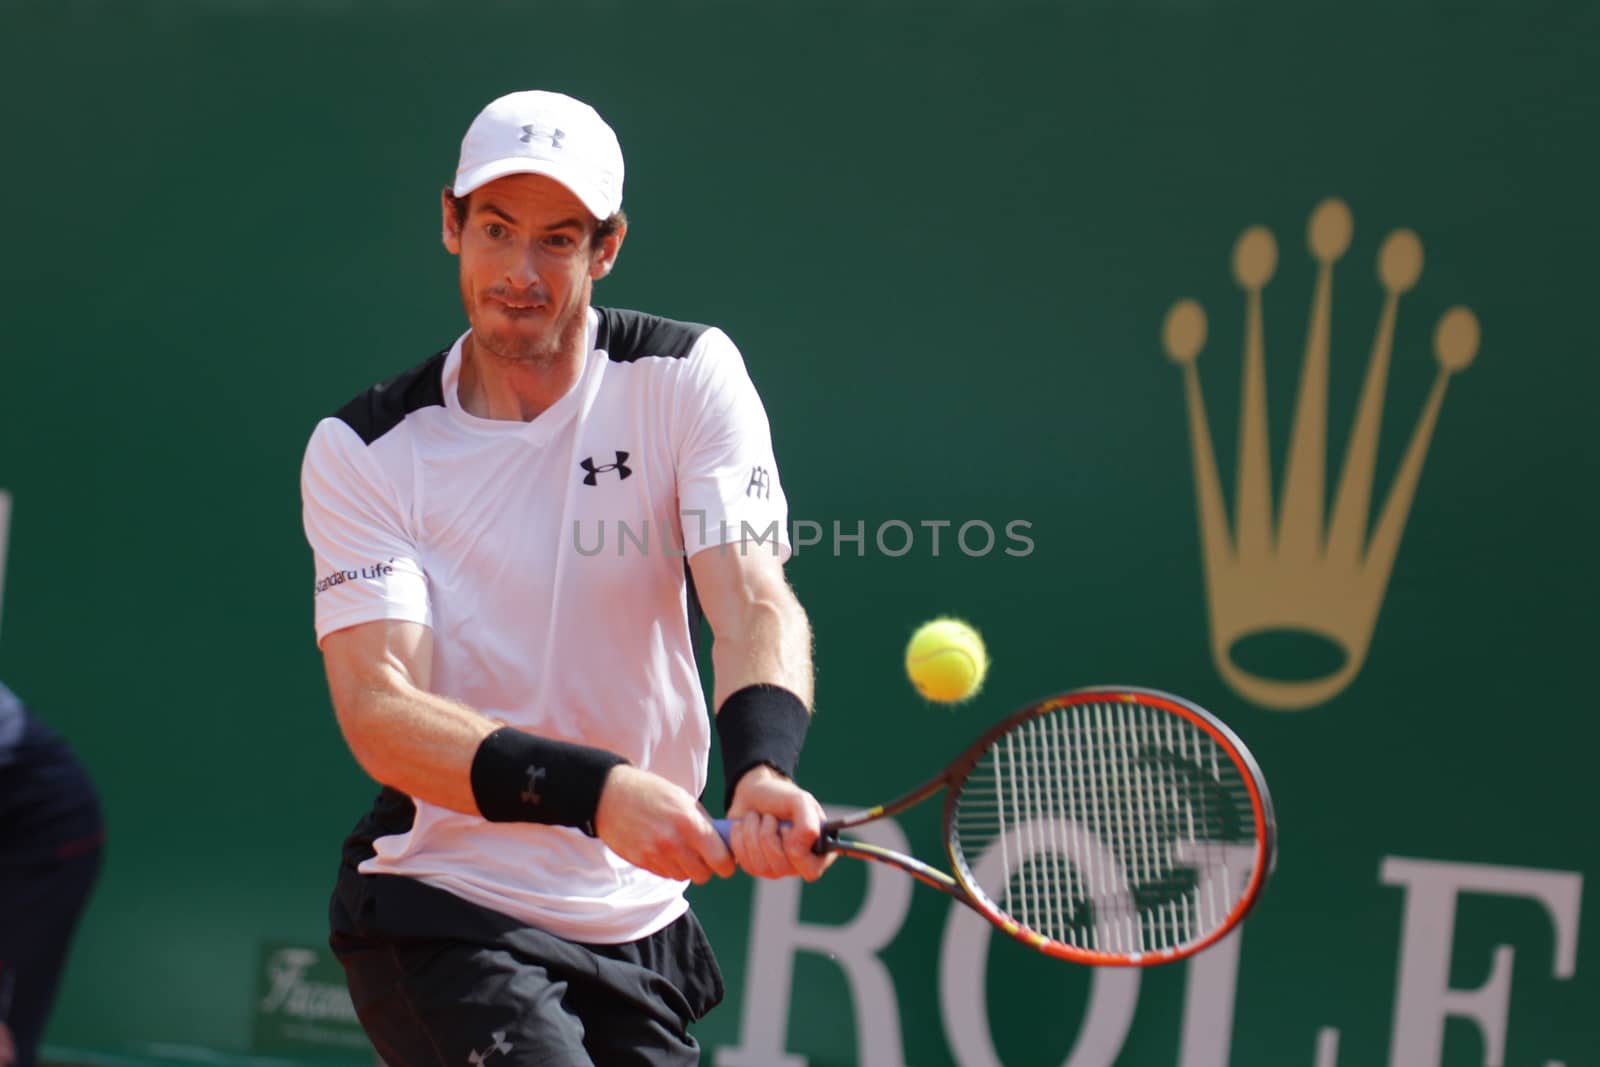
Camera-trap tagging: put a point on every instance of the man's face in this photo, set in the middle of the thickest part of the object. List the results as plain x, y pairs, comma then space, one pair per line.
528, 262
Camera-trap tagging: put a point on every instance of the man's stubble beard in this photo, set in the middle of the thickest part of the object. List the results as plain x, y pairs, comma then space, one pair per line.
544, 351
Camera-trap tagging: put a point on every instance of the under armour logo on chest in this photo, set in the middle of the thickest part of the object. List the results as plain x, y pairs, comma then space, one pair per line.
476, 1058
593, 477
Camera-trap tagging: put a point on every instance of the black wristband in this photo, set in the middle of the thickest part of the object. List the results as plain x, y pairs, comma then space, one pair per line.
760, 724
521, 777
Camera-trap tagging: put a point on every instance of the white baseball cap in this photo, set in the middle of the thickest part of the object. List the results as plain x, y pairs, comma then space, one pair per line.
539, 132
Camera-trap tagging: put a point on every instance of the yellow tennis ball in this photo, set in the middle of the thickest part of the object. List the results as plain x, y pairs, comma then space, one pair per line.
946, 660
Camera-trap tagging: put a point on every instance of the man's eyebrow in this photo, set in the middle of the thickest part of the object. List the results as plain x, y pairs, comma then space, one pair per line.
574, 223
493, 210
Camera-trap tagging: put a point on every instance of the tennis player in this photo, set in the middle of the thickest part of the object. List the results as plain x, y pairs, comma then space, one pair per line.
515, 543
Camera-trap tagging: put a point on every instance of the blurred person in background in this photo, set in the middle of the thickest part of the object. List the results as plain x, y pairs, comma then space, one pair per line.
50, 840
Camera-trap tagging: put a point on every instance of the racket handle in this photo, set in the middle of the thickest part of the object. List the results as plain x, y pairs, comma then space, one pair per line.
724, 828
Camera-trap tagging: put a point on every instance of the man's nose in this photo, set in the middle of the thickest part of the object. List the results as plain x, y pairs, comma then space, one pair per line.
520, 270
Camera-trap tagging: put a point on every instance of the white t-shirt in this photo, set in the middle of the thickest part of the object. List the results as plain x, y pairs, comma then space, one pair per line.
550, 560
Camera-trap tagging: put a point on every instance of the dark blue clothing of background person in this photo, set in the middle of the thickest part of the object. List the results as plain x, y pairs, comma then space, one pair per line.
50, 840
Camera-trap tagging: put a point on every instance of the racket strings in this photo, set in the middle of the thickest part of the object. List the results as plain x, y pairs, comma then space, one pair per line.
1118, 827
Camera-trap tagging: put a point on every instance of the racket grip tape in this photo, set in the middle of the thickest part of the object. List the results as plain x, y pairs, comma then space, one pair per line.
724, 828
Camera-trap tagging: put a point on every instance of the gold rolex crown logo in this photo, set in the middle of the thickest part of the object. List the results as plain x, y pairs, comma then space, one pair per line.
1301, 573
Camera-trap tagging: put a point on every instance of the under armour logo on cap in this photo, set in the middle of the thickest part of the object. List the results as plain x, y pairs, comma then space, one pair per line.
553, 135
620, 466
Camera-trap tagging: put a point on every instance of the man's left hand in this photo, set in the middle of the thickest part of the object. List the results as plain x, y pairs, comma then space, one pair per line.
762, 802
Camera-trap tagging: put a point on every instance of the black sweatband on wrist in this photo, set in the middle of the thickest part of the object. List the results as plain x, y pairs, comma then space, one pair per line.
759, 725
521, 777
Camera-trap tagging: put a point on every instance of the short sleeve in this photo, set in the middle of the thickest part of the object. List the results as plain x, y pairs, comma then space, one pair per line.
728, 486
367, 565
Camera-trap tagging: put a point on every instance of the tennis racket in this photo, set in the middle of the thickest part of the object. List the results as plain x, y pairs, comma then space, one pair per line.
1110, 826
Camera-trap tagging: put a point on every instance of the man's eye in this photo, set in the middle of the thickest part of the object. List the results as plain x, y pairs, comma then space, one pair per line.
559, 240
494, 231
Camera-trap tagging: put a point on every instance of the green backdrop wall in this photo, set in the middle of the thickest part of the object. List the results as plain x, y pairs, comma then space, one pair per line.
948, 238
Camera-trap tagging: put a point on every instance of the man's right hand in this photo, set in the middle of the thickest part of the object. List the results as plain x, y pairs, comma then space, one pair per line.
654, 824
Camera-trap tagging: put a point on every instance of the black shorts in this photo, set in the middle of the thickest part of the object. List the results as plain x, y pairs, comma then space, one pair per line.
441, 982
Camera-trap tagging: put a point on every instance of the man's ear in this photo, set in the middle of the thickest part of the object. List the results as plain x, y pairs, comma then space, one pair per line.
450, 208
605, 256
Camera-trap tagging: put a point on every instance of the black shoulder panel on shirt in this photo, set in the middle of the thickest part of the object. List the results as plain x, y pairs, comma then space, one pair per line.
381, 408
629, 335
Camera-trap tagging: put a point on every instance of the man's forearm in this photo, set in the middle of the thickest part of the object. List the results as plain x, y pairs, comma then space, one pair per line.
771, 645
417, 742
